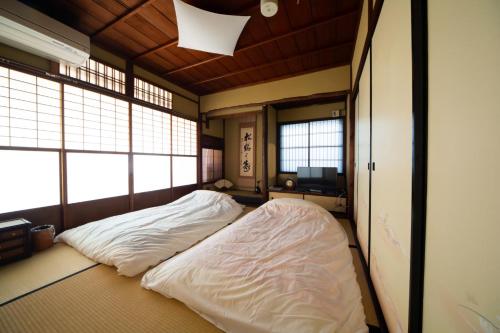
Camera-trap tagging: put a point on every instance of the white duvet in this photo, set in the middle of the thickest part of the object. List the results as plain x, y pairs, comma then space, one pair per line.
135, 241
285, 267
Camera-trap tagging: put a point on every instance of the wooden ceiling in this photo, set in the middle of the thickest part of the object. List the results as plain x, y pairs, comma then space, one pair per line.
304, 36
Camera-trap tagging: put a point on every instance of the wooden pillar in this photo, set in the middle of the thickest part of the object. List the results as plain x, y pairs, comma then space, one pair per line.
129, 92
265, 164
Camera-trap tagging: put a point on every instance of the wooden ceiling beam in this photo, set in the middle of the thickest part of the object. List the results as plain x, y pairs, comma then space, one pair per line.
276, 62
174, 41
124, 16
263, 42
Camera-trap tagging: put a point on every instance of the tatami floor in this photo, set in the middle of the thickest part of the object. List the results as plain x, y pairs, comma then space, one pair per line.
52, 291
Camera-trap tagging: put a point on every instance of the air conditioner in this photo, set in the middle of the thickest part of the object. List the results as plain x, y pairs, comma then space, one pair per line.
27, 29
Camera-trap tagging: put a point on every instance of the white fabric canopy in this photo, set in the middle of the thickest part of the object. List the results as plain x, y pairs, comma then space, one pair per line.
206, 31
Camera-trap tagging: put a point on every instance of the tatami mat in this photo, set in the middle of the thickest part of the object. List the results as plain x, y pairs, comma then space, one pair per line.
99, 300
39, 270
348, 229
371, 316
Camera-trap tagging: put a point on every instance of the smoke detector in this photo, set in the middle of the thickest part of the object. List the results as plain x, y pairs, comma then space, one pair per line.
268, 8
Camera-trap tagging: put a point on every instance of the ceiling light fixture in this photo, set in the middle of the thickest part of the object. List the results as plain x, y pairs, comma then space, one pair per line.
268, 8
206, 31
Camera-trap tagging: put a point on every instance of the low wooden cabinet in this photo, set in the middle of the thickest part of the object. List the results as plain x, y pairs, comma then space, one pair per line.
14, 240
330, 202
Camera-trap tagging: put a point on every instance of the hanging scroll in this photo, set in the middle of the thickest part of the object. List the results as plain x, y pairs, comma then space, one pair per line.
247, 150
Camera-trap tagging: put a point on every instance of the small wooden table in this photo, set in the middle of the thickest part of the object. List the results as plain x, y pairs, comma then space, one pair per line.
14, 240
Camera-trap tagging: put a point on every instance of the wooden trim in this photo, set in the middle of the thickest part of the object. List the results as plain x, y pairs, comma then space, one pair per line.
371, 29
122, 17
273, 63
263, 42
129, 91
265, 164
63, 170
224, 149
160, 47
171, 161
212, 142
370, 170
285, 100
360, 12
419, 162
235, 115
282, 77
199, 159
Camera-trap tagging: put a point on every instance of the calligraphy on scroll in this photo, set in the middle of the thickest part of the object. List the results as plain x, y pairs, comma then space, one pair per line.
247, 154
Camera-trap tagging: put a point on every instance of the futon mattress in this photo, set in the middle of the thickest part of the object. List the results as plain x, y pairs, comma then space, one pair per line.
135, 241
285, 267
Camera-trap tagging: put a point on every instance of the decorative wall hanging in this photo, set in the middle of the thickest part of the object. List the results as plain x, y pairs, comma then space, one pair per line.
247, 150
206, 31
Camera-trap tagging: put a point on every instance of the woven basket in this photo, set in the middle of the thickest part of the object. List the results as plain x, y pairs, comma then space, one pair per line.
42, 237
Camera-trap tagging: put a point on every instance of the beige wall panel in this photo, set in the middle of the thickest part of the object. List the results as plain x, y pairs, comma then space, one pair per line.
392, 154
363, 134
24, 57
462, 270
329, 80
107, 57
215, 128
360, 40
259, 167
184, 106
317, 111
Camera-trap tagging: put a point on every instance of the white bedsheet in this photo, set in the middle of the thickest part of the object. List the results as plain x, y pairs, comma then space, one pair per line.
135, 241
285, 267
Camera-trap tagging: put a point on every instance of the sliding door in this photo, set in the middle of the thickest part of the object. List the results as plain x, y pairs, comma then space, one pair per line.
392, 161
356, 158
363, 155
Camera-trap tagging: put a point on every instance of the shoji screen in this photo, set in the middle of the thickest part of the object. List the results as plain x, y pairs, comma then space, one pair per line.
363, 154
392, 155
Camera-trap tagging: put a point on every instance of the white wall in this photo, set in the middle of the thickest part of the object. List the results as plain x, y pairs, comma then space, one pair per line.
462, 272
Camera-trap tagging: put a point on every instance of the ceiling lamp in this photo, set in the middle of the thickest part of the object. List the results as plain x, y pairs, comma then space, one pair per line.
206, 31
268, 8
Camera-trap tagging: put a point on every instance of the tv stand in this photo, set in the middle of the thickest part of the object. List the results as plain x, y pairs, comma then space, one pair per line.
333, 202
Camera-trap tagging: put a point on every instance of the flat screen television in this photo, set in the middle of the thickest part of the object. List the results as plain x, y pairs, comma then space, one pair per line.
316, 179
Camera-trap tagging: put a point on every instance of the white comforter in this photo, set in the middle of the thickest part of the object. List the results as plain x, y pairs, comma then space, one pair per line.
135, 241
285, 267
